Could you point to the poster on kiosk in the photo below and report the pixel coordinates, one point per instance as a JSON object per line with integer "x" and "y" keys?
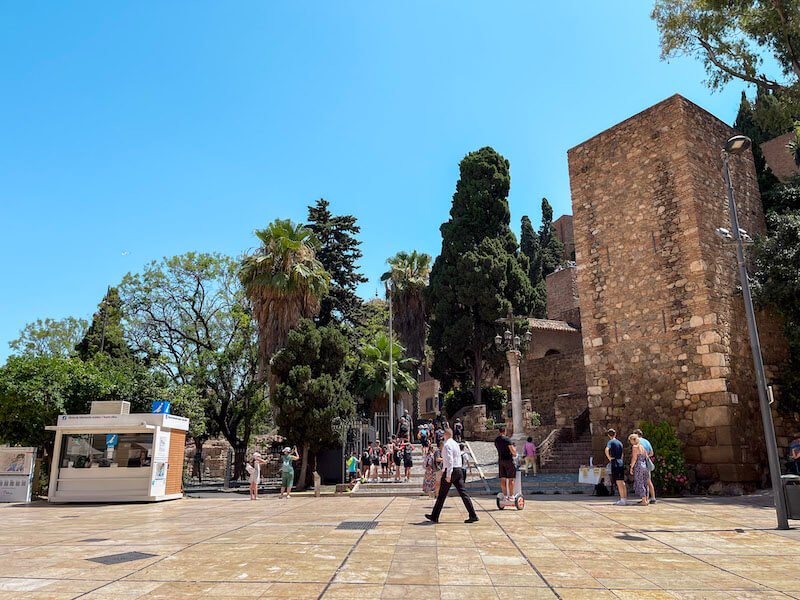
{"x": 16, "y": 473}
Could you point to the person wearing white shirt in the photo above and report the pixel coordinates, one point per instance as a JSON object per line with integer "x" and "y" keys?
{"x": 453, "y": 475}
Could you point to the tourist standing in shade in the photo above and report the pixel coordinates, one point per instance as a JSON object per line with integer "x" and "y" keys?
{"x": 648, "y": 447}
{"x": 639, "y": 470}
{"x": 453, "y": 475}
{"x": 458, "y": 431}
{"x": 529, "y": 452}
{"x": 614, "y": 455}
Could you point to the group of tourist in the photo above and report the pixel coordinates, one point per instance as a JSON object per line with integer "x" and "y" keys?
{"x": 393, "y": 459}
{"x": 641, "y": 465}
{"x": 253, "y": 468}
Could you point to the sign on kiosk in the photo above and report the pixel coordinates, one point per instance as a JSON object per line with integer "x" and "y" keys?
{"x": 16, "y": 473}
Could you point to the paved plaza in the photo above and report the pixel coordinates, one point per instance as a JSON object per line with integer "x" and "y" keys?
{"x": 230, "y": 547}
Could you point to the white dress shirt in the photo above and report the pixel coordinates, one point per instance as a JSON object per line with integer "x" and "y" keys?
{"x": 451, "y": 457}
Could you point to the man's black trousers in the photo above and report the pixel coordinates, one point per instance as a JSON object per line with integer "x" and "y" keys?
{"x": 456, "y": 479}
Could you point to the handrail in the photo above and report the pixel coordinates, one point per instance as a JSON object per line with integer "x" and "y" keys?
{"x": 546, "y": 447}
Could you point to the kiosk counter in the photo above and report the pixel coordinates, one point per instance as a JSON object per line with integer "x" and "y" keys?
{"x": 118, "y": 458}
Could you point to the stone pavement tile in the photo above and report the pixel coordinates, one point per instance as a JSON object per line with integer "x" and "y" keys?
{"x": 240, "y": 590}
{"x": 457, "y": 575}
{"x": 123, "y": 590}
{"x": 584, "y": 593}
{"x": 727, "y": 595}
{"x": 75, "y": 586}
{"x": 294, "y": 591}
{"x": 526, "y": 578}
{"x": 473, "y": 592}
{"x": 634, "y": 594}
{"x": 528, "y": 593}
{"x": 405, "y": 592}
{"x": 22, "y": 584}
{"x": 37, "y": 595}
{"x": 347, "y": 591}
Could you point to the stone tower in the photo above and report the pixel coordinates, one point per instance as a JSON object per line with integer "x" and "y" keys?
{"x": 663, "y": 324}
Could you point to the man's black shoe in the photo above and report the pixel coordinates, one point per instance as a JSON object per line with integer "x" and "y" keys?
{"x": 471, "y": 520}
{"x": 430, "y": 518}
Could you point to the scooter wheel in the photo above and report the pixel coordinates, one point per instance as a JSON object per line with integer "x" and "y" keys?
{"x": 500, "y": 505}
{"x": 519, "y": 502}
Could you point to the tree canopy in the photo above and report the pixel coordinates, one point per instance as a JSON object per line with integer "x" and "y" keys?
{"x": 313, "y": 389}
{"x": 731, "y": 38}
{"x": 479, "y": 275}
{"x": 105, "y": 335}
{"x": 338, "y": 252}
{"x": 50, "y": 337}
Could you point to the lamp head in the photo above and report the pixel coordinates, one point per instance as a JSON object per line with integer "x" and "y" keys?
{"x": 737, "y": 145}
{"x": 498, "y": 341}
{"x": 507, "y": 335}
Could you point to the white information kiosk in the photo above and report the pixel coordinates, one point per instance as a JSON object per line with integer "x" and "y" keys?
{"x": 112, "y": 456}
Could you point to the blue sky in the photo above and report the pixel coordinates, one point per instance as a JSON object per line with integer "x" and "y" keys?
{"x": 132, "y": 131}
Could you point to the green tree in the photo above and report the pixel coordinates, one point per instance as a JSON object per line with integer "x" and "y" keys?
{"x": 746, "y": 123}
{"x": 371, "y": 318}
{"x": 552, "y": 248}
{"x": 338, "y": 252}
{"x": 284, "y": 281}
{"x": 531, "y": 248}
{"x": 106, "y": 334}
{"x": 313, "y": 388}
{"x": 371, "y": 377}
{"x": 50, "y": 337}
{"x": 406, "y": 281}
{"x": 479, "y": 275}
{"x": 732, "y": 37}
{"x": 35, "y": 389}
{"x": 777, "y": 284}
{"x": 189, "y": 315}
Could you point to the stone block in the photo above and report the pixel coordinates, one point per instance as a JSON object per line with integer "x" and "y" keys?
{"x": 712, "y": 416}
{"x": 716, "y": 455}
{"x": 696, "y": 321}
{"x": 705, "y": 386}
{"x": 740, "y": 473}
{"x": 710, "y": 337}
{"x": 724, "y": 436}
{"x": 714, "y": 359}
{"x": 594, "y": 390}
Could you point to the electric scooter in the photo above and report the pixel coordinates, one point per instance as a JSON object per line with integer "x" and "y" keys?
{"x": 517, "y": 500}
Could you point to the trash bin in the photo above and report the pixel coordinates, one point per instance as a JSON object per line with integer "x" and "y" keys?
{"x": 791, "y": 493}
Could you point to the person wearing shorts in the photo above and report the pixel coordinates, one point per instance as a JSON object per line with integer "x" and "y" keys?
{"x": 614, "y": 455}
{"x": 287, "y": 471}
{"x": 506, "y": 452}
{"x": 397, "y": 457}
{"x": 407, "y": 462}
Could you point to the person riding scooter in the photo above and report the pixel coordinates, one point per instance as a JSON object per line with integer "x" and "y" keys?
{"x": 506, "y": 453}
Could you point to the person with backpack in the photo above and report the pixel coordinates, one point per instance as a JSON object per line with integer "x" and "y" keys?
{"x": 374, "y": 460}
{"x": 423, "y": 437}
{"x": 253, "y": 469}
{"x": 458, "y": 431}
{"x": 352, "y": 468}
{"x": 398, "y": 459}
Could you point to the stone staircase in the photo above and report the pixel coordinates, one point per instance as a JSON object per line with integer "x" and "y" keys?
{"x": 568, "y": 455}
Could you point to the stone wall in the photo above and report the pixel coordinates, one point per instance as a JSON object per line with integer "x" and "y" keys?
{"x": 663, "y": 327}
{"x": 562, "y": 296}
{"x": 564, "y": 232}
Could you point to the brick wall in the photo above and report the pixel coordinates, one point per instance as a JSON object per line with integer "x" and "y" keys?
{"x": 663, "y": 326}
{"x": 564, "y": 232}
{"x": 562, "y": 296}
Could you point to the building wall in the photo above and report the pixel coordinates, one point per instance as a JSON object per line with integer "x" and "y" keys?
{"x": 562, "y": 296}
{"x": 564, "y": 232}
{"x": 663, "y": 327}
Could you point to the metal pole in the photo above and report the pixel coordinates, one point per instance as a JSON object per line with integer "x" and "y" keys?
{"x": 755, "y": 347}
{"x": 391, "y": 367}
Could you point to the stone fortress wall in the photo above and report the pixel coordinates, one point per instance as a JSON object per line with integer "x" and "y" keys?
{"x": 663, "y": 326}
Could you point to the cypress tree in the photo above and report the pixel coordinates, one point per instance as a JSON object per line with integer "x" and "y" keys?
{"x": 531, "y": 248}
{"x": 552, "y": 248}
{"x": 478, "y": 276}
{"x": 105, "y": 335}
{"x": 339, "y": 251}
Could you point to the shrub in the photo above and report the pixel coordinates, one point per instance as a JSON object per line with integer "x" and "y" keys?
{"x": 669, "y": 476}
{"x": 536, "y": 419}
{"x": 490, "y": 424}
{"x": 495, "y": 398}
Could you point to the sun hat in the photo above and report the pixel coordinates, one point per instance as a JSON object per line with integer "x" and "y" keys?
{"x": 256, "y": 455}
{"x": 287, "y": 450}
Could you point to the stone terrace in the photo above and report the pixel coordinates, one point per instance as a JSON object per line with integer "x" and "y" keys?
{"x": 234, "y": 548}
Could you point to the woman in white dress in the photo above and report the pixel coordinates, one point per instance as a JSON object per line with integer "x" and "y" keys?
{"x": 254, "y": 470}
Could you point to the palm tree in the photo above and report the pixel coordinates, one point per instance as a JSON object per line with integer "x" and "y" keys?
{"x": 406, "y": 279}
{"x": 284, "y": 281}
{"x": 373, "y": 369}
